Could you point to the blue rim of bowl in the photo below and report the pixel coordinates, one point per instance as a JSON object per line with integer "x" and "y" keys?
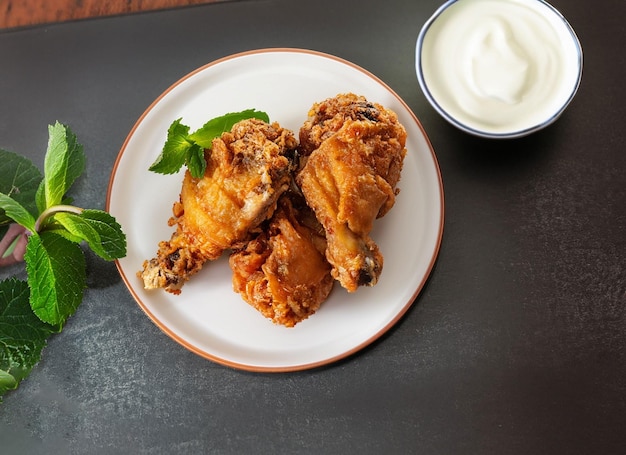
{"x": 485, "y": 134}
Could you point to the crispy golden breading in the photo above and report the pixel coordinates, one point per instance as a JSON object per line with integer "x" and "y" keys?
{"x": 247, "y": 170}
{"x": 354, "y": 151}
{"x": 293, "y": 228}
{"x": 282, "y": 272}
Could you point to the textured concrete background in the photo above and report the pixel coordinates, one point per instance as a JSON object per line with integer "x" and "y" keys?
{"x": 516, "y": 345}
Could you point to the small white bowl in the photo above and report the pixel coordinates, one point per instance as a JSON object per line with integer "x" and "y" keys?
{"x": 498, "y": 68}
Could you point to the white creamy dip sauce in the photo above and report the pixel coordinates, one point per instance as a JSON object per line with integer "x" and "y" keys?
{"x": 500, "y": 65}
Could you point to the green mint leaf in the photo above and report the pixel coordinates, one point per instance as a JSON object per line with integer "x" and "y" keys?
{"x": 182, "y": 148}
{"x": 215, "y": 127}
{"x": 79, "y": 230}
{"x": 15, "y": 211}
{"x": 19, "y": 179}
{"x": 99, "y": 229}
{"x": 63, "y": 164}
{"x": 56, "y": 276}
{"x": 174, "y": 151}
{"x": 40, "y": 197}
{"x": 112, "y": 238}
{"x": 63, "y": 232}
{"x": 195, "y": 161}
{"x": 22, "y": 334}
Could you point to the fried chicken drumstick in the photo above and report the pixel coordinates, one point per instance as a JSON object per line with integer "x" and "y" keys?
{"x": 282, "y": 272}
{"x": 353, "y": 151}
{"x": 247, "y": 170}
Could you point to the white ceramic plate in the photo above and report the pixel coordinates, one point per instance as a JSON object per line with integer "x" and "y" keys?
{"x": 209, "y": 318}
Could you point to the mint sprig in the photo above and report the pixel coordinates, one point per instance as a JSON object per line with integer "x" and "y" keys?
{"x": 31, "y": 310}
{"x": 182, "y": 148}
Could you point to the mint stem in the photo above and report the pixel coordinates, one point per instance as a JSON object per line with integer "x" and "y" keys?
{"x": 55, "y": 209}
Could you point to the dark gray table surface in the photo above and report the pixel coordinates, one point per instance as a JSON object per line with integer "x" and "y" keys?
{"x": 516, "y": 345}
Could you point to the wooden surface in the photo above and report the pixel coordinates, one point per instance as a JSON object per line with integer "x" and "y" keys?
{"x": 20, "y": 13}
